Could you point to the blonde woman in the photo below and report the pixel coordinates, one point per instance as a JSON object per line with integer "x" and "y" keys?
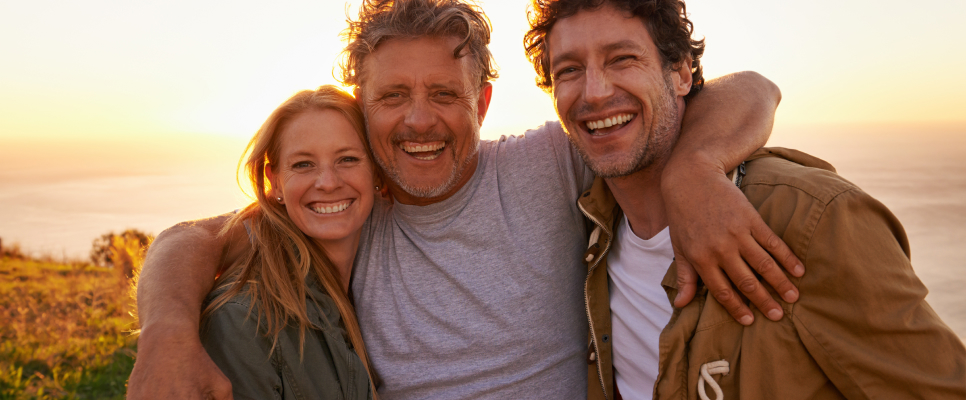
{"x": 279, "y": 323}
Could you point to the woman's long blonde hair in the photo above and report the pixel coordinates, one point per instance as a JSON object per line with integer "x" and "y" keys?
{"x": 275, "y": 272}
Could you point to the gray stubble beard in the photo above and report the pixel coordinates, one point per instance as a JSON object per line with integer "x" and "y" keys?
{"x": 423, "y": 192}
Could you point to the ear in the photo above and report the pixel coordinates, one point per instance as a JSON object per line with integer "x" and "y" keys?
{"x": 273, "y": 181}
{"x": 483, "y": 103}
{"x": 681, "y": 77}
{"x": 377, "y": 177}
{"x": 357, "y": 93}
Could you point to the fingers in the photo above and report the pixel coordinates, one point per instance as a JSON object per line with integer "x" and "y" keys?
{"x": 762, "y": 262}
{"x": 751, "y": 287}
{"x": 687, "y": 282}
{"x": 778, "y": 249}
{"x": 720, "y": 287}
{"x": 221, "y": 389}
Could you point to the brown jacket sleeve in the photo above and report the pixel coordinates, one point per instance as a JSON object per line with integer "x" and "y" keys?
{"x": 862, "y": 313}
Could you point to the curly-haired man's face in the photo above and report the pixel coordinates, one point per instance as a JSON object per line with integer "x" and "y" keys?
{"x": 619, "y": 106}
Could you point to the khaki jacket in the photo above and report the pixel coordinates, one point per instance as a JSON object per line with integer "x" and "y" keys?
{"x": 860, "y": 330}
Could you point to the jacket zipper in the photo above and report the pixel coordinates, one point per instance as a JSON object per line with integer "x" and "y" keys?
{"x": 590, "y": 319}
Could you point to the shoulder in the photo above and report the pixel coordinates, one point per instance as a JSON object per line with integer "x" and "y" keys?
{"x": 236, "y": 312}
{"x": 545, "y": 136}
{"x": 811, "y": 207}
{"x": 777, "y": 171}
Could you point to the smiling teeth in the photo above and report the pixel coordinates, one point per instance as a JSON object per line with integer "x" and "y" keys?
{"x": 332, "y": 209}
{"x": 609, "y": 122}
{"x": 412, "y": 149}
{"x": 421, "y": 148}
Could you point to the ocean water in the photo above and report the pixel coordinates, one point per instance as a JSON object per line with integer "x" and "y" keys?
{"x": 55, "y": 198}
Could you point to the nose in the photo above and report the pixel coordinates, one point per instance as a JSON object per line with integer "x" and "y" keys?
{"x": 328, "y": 179}
{"x": 597, "y": 86}
{"x": 421, "y": 116}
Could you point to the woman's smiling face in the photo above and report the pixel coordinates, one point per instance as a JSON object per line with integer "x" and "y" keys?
{"x": 324, "y": 176}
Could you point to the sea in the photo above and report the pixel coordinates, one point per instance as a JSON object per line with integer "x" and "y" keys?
{"x": 56, "y": 196}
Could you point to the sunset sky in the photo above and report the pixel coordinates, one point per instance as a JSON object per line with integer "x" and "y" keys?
{"x": 117, "y": 114}
{"x": 83, "y": 72}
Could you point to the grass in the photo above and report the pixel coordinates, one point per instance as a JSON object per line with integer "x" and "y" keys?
{"x": 65, "y": 330}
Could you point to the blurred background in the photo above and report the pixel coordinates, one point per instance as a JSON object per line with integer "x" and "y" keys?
{"x": 131, "y": 115}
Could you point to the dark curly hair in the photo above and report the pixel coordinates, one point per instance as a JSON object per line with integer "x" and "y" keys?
{"x": 382, "y": 20}
{"x": 667, "y": 22}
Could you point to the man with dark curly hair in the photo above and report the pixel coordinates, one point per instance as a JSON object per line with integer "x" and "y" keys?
{"x": 621, "y": 74}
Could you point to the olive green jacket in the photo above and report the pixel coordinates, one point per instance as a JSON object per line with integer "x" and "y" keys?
{"x": 861, "y": 328}
{"x": 327, "y": 368}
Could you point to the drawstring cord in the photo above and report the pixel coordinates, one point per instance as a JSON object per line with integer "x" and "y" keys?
{"x": 708, "y": 369}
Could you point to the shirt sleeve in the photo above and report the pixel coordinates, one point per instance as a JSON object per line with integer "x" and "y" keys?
{"x": 231, "y": 338}
{"x": 862, "y": 313}
{"x": 569, "y": 155}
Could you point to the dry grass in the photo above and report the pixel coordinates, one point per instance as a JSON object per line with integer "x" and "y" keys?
{"x": 66, "y": 330}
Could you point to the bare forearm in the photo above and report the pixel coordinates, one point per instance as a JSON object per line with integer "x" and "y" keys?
{"x": 178, "y": 272}
{"x": 727, "y": 121}
{"x": 714, "y": 229}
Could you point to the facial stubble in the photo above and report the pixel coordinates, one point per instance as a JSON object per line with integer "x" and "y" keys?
{"x": 646, "y": 148}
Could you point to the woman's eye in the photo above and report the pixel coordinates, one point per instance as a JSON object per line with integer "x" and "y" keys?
{"x": 350, "y": 159}
{"x": 301, "y": 164}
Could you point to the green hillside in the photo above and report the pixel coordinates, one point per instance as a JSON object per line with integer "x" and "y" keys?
{"x": 65, "y": 330}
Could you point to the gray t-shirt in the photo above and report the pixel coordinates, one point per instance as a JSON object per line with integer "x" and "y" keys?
{"x": 480, "y": 296}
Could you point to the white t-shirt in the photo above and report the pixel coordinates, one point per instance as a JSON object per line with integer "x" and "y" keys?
{"x": 639, "y": 307}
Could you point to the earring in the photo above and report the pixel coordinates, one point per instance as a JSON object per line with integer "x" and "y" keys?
{"x": 377, "y": 188}
{"x": 279, "y": 200}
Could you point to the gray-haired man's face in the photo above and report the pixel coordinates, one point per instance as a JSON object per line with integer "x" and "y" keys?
{"x": 423, "y": 113}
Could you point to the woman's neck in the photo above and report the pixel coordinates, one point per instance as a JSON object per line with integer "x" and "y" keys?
{"x": 342, "y": 254}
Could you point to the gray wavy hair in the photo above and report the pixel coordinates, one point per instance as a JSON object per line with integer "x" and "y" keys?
{"x": 382, "y": 20}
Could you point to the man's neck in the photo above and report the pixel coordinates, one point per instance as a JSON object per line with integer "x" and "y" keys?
{"x": 639, "y": 196}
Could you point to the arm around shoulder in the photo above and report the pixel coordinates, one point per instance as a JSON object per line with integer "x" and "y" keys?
{"x": 178, "y": 272}
{"x": 714, "y": 230}
{"x": 862, "y": 313}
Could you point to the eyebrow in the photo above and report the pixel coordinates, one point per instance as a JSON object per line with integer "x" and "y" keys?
{"x": 386, "y": 88}
{"x": 451, "y": 84}
{"x": 303, "y": 153}
{"x": 620, "y": 45}
{"x": 447, "y": 84}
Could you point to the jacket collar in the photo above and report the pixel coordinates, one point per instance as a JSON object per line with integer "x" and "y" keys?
{"x": 599, "y": 205}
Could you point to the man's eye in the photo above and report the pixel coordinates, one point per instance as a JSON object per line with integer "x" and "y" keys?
{"x": 392, "y": 98}
{"x": 563, "y": 72}
{"x": 444, "y": 96}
